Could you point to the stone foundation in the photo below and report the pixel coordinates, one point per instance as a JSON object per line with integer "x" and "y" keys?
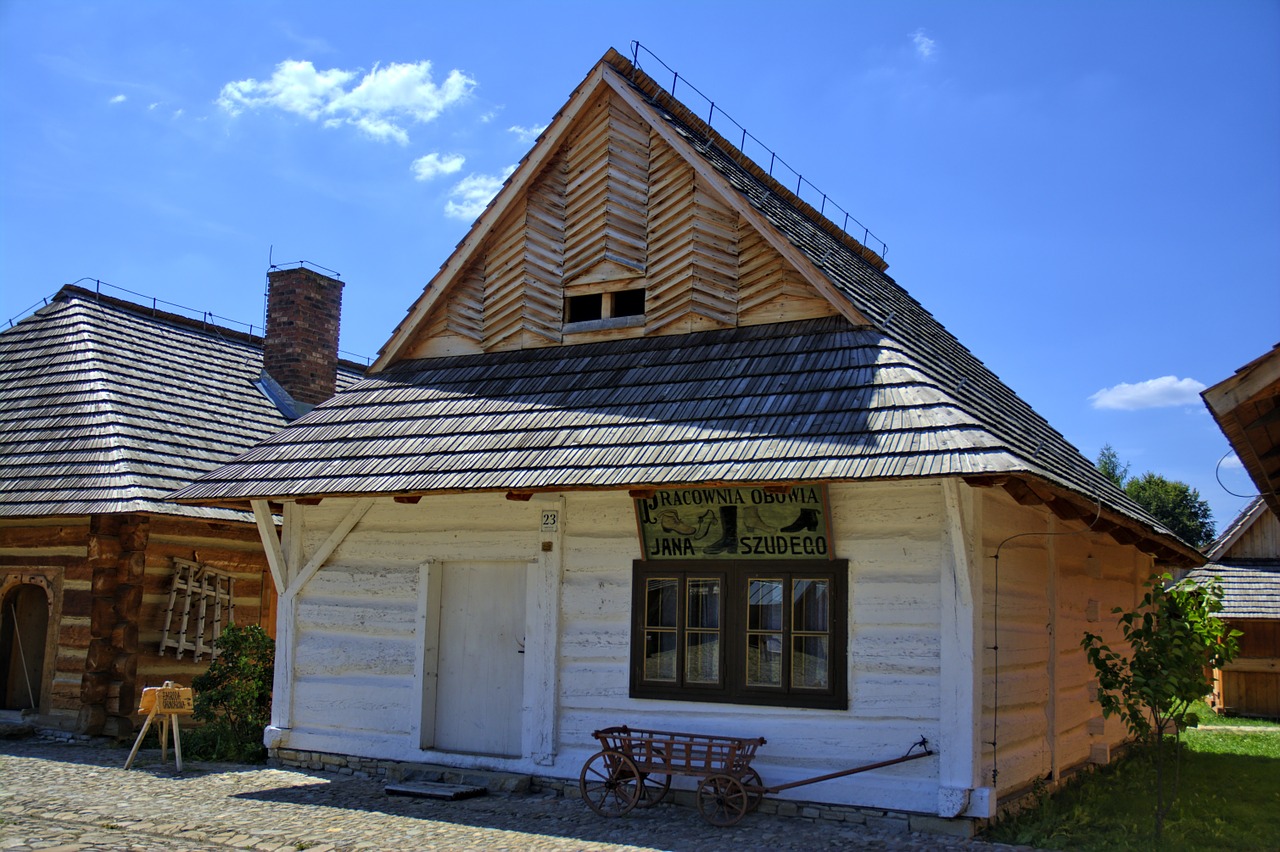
{"x": 396, "y": 771}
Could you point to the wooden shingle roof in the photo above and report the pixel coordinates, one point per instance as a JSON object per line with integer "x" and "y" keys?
{"x": 880, "y": 391}
{"x": 1247, "y": 408}
{"x": 815, "y": 399}
{"x": 107, "y": 406}
{"x": 1246, "y": 561}
{"x": 1250, "y": 588}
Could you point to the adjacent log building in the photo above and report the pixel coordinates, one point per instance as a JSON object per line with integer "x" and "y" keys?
{"x": 106, "y": 406}
{"x": 1246, "y": 557}
{"x": 660, "y": 445}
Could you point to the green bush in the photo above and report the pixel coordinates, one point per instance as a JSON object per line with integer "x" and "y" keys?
{"x": 233, "y": 698}
{"x": 1173, "y": 638}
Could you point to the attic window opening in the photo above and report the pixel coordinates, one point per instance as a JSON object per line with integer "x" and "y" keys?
{"x": 584, "y": 308}
{"x": 617, "y": 308}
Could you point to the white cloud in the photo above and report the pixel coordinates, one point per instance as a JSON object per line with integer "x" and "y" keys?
{"x": 380, "y": 104}
{"x": 924, "y": 44}
{"x": 469, "y": 196}
{"x": 153, "y": 106}
{"x": 432, "y": 165}
{"x": 118, "y": 99}
{"x": 1232, "y": 462}
{"x": 527, "y": 134}
{"x": 294, "y": 87}
{"x": 1163, "y": 392}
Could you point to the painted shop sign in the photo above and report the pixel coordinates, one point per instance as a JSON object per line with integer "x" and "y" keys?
{"x": 735, "y": 523}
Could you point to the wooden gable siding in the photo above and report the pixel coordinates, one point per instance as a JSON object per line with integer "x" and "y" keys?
{"x": 769, "y": 288}
{"x": 459, "y": 328}
{"x": 1260, "y": 541}
{"x": 615, "y": 208}
{"x": 693, "y": 250}
{"x": 607, "y": 190}
{"x": 522, "y": 272}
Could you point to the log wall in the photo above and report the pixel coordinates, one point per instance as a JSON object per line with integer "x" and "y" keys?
{"x": 1250, "y": 684}
{"x": 1052, "y": 582}
{"x": 108, "y": 581}
{"x": 52, "y": 553}
{"x": 360, "y": 630}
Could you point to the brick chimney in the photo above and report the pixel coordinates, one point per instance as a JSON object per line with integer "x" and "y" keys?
{"x": 300, "y": 351}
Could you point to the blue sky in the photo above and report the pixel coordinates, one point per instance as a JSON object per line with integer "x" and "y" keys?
{"x": 1086, "y": 194}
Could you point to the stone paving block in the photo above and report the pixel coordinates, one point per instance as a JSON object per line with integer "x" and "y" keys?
{"x": 63, "y": 793}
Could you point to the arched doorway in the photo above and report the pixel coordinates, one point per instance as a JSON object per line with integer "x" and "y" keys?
{"x": 24, "y": 623}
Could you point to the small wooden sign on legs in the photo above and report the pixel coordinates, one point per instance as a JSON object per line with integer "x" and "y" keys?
{"x": 169, "y": 702}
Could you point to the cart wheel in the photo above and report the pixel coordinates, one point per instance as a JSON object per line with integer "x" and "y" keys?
{"x": 755, "y": 788}
{"x": 609, "y": 783}
{"x": 653, "y": 789}
{"x": 722, "y": 800}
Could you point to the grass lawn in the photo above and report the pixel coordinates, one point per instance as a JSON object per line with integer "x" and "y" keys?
{"x": 1228, "y": 798}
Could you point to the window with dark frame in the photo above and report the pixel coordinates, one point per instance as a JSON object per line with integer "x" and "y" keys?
{"x": 741, "y": 632}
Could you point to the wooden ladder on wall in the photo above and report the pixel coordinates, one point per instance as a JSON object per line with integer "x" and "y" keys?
{"x": 199, "y": 586}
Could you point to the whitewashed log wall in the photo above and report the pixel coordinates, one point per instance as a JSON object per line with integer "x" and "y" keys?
{"x": 356, "y": 686}
{"x": 358, "y": 667}
{"x": 1052, "y": 587}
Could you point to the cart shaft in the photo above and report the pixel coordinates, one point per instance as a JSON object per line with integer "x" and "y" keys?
{"x": 843, "y": 773}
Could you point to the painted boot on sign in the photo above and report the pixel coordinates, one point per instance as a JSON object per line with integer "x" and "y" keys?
{"x": 807, "y": 520}
{"x": 705, "y": 521}
{"x": 752, "y": 520}
{"x": 671, "y": 522}
{"x": 729, "y": 541}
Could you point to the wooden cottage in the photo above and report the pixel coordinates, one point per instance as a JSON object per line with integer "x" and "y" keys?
{"x": 106, "y": 406}
{"x": 662, "y": 446}
{"x": 1246, "y": 558}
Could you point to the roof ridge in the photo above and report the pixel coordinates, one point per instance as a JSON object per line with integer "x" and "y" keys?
{"x": 662, "y": 99}
{"x": 70, "y": 293}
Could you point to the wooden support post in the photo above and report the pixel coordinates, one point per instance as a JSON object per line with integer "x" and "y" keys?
{"x": 960, "y": 657}
{"x": 292, "y": 578}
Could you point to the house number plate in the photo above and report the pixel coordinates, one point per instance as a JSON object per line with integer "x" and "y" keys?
{"x": 550, "y": 521}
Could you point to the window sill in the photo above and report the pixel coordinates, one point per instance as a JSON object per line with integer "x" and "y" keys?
{"x": 602, "y": 324}
{"x": 794, "y": 701}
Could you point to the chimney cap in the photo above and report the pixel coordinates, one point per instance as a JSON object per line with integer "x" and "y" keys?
{"x": 304, "y": 264}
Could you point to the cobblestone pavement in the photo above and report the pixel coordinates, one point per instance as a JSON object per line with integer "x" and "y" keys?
{"x": 73, "y": 796}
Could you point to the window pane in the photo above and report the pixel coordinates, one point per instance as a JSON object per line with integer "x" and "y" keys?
{"x": 584, "y": 308}
{"x": 704, "y": 604}
{"x": 628, "y": 303}
{"x": 809, "y": 663}
{"x": 702, "y": 658}
{"x": 660, "y": 655}
{"x": 764, "y": 605}
{"x": 662, "y": 597}
{"x": 764, "y": 660}
{"x": 810, "y": 612}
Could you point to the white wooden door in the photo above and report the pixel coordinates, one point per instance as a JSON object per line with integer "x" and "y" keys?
{"x": 481, "y": 683}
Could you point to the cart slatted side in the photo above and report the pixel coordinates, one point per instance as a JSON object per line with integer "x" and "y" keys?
{"x": 675, "y": 753}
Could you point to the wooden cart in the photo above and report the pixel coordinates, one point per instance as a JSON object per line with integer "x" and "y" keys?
{"x": 634, "y": 767}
